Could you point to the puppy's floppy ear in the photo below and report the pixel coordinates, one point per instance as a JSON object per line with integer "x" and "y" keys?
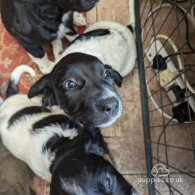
{"x": 38, "y": 87}
{"x": 115, "y": 76}
{"x": 95, "y": 143}
{"x": 43, "y": 87}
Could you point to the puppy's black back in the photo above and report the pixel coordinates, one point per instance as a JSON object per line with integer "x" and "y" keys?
{"x": 32, "y": 23}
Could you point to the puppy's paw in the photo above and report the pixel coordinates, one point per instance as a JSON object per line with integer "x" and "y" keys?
{"x": 79, "y": 19}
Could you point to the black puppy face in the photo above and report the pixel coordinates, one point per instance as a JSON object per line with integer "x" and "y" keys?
{"x": 91, "y": 175}
{"x": 84, "y": 88}
{"x": 76, "y": 5}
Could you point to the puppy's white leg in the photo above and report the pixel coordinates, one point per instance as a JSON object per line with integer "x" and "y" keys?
{"x": 1, "y": 100}
{"x": 45, "y": 65}
{"x": 57, "y": 47}
{"x": 79, "y": 19}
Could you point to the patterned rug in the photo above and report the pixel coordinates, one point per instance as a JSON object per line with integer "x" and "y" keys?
{"x": 12, "y": 55}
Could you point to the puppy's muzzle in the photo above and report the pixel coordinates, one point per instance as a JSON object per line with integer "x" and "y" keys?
{"x": 109, "y": 106}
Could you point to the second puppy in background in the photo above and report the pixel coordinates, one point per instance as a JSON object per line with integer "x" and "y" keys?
{"x": 36, "y": 22}
{"x": 112, "y": 43}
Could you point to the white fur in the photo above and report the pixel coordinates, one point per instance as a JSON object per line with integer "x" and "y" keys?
{"x": 57, "y": 47}
{"x": 109, "y": 94}
{"x": 1, "y": 100}
{"x": 79, "y": 19}
{"x": 62, "y": 30}
{"x": 70, "y": 187}
{"x": 45, "y": 65}
{"x": 20, "y": 139}
{"x": 18, "y": 71}
{"x": 117, "y": 49}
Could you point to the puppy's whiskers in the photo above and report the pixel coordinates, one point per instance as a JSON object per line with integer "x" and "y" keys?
{"x": 76, "y": 118}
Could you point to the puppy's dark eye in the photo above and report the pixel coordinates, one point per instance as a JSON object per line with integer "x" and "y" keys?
{"x": 69, "y": 84}
{"x": 107, "y": 74}
{"x": 107, "y": 182}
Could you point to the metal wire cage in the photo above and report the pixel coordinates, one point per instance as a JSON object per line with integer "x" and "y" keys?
{"x": 165, "y": 34}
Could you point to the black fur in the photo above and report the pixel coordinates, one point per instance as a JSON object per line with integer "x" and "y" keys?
{"x": 93, "y": 144}
{"x": 118, "y": 79}
{"x": 130, "y": 28}
{"x": 95, "y": 141}
{"x": 77, "y": 165}
{"x": 54, "y": 119}
{"x": 55, "y": 142}
{"x": 86, "y": 98}
{"x": 85, "y": 171}
{"x": 12, "y": 89}
{"x": 90, "y": 34}
{"x": 94, "y": 138}
{"x": 26, "y": 111}
{"x": 35, "y": 22}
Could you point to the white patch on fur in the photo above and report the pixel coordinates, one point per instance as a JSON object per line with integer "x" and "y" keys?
{"x": 70, "y": 187}
{"x": 57, "y": 47}
{"x": 19, "y": 70}
{"x": 70, "y": 38}
{"x": 66, "y": 16}
{"x": 62, "y": 30}
{"x": 117, "y": 49}
{"x": 79, "y": 19}
{"x": 45, "y": 65}
{"x": 20, "y": 139}
{"x": 109, "y": 94}
{"x": 1, "y": 100}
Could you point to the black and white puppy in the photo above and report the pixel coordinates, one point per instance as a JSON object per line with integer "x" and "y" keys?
{"x": 112, "y": 43}
{"x": 84, "y": 88}
{"x": 56, "y": 150}
{"x": 82, "y": 82}
{"x": 35, "y": 22}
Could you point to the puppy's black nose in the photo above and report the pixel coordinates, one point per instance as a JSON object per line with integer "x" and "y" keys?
{"x": 109, "y": 105}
